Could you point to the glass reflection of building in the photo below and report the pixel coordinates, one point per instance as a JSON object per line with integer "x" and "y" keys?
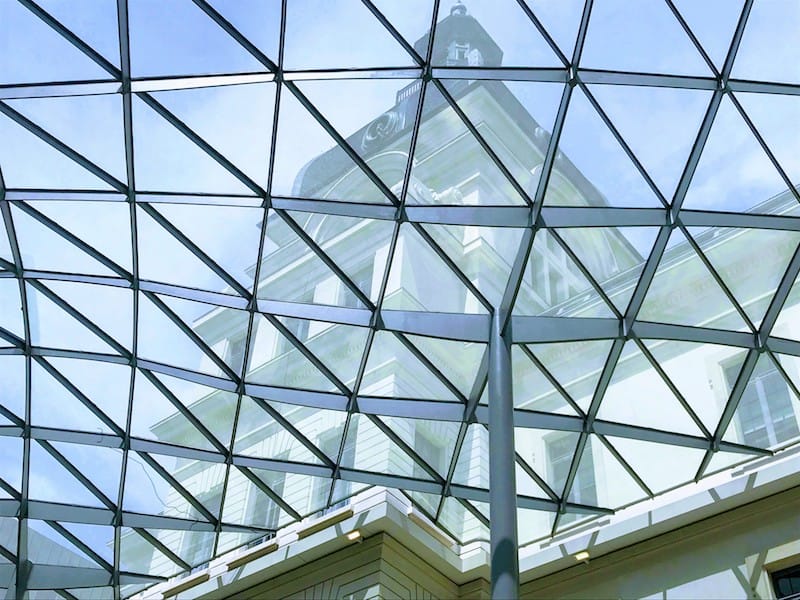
{"x": 553, "y": 285}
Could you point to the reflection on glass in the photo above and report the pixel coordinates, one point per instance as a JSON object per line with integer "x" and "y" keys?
{"x": 217, "y": 316}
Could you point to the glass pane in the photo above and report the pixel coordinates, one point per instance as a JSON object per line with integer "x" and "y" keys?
{"x": 649, "y": 40}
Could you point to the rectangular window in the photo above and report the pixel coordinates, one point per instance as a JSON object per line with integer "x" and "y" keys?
{"x": 786, "y": 583}
{"x": 765, "y": 414}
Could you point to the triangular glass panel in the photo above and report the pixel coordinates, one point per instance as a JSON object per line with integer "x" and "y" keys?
{"x": 714, "y": 33}
{"x": 236, "y": 120}
{"x": 485, "y": 253}
{"x": 163, "y": 258}
{"x": 155, "y": 417}
{"x": 701, "y": 372}
{"x": 554, "y": 286}
{"x": 161, "y": 340}
{"x": 661, "y": 137}
{"x": 214, "y": 408}
{"x": 252, "y": 507}
{"x": 110, "y": 308}
{"x": 261, "y": 436}
{"x": 458, "y": 361}
{"x": 614, "y": 256}
{"x": 762, "y": 55}
{"x": 107, "y": 385}
{"x": 328, "y": 23}
{"x": 434, "y": 441}
{"x": 767, "y": 413}
{"x": 13, "y": 396}
{"x": 310, "y": 280}
{"x": 420, "y": 280}
{"x": 450, "y": 166}
{"x": 532, "y": 390}
{"x": 319, "y": 168}
{"x": 43, "y": 249}
{"x": 368, "y": 448}
{"x": 733, "y": 173}
{"x": 519, "y": 132}
{"x": 637, "y": 395}
{"x": 97, "y": 537}
{"x": 47, "y": 546}
{"x": 548, "y": 453}
{"x": 206, "y": 320}
{"x": 659, "y": 466}
{"x": 257, "y": 20}
{"x": 561, "y": 19}
{"x": 167, "y": 41}
{"x": 276, "y": 361}
{"x": 90, "y": 125}
{"x": 776, "y": 118}
{"x": 372, "y": 102}
{"x": 683, "y": 292}
{"x": 30, "y": 162}
{"x": 56, "y": 58}
{"x": 357, "y": 246}
{"x": 592, "y": 168}
{"x": 753, "y": 279}
{"x": 339, "y": 347}
{"x": 94, "y": 22}
{"x": 471, "y": 467}
{"x": 50, "y": 481}
{"x": 138, "y": 555}
{"x": 523, "y": 45}
{"x": 601, "y": 480}
{"x": 651, "y": 40}
{"x": 11, "y": 316}
{"x": 577, "y": 366}
{"x": 103, "y": 225}
{"x": 53, "y": 327}
{"x": 102, "y": 466}
{"x": 166, "y": 160}
{"x": 394, "y": 371}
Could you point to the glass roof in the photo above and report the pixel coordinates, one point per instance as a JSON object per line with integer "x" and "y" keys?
{"x": 249, "y": 253}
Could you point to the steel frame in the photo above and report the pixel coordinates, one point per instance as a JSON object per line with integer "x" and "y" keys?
{"x": 497, "y": 326}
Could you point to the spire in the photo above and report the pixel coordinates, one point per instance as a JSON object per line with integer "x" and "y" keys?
{"x": 461, "y": 41}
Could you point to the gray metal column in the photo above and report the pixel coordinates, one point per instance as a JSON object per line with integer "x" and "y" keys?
{"x": 502, "y": 475}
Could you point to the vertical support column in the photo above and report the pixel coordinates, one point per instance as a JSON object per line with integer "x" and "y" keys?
{"x": 502, "y": 474}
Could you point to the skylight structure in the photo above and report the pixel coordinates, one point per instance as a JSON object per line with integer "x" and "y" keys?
{"x": 256, "y": 257}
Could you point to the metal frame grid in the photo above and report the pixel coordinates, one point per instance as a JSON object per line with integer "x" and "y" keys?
{"x": 535, "y": 215}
